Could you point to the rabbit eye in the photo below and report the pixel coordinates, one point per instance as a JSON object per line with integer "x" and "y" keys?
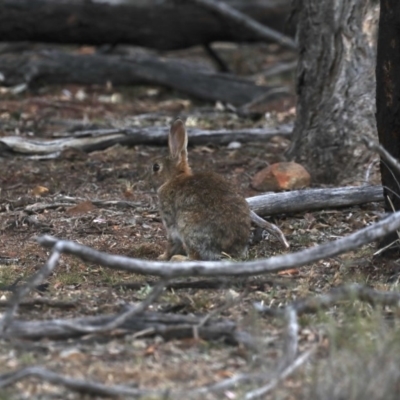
{"x": 156, "y": 167}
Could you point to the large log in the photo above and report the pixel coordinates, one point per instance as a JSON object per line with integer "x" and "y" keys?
{"x": 163, "y": 25}
{"x": 55, "y": 67}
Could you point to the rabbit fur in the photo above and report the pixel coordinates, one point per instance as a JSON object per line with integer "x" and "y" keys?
{"x": 203, "y": 214}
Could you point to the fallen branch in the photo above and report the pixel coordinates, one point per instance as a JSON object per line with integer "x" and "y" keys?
{"x": 35, "y": 280}
{"x": 77, "y": 385}
{"x": 291, "y": 342}
{"x": 207, "y": 284}
{"x": 314, "y": 199}
{"x": 100, "y": 139}
{"x": 263, "y": 32}
{"x": 99, "y": 389}
{"x": 392, "y": 162}
{"x": 349, "y": 292}
{"x": 147, "y": 324}
{"x": 168, "y": 269}
{"x": 261, "y": 392}
{"x": 56, "y": 67}
{"x": 40, "y": 301}
{"x": 273, "y": 229}
{"x": 121, "y": 318}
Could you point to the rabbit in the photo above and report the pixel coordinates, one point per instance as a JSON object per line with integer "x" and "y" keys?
{"x": 203, "y": 214}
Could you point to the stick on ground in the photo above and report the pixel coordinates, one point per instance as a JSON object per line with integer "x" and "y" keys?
{"x": 168, "y": 269}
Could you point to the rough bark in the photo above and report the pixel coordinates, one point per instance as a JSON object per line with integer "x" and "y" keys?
{"x": 55, "y": 67}
{"x": 388, "y": 101}
{"x": 335, "y": 85}
{"x": 163, "y": 25}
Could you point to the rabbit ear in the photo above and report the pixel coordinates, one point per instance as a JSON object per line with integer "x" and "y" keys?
{"x": 177, "y": 140}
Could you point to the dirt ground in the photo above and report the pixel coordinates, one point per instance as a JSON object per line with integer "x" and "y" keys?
{"x": 119, "y": 173}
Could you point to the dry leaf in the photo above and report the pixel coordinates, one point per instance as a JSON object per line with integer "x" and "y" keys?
{"x": 225, "y": 374}
{"x": 150, "y": 350}
{"x": 40, "y": 191}
{"x": 81, "y": 208}
{"x": 289, "y": 272}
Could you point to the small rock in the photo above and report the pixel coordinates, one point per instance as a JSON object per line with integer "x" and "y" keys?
{"x": 281, "y": 176}
{"x": 234, "y": 145}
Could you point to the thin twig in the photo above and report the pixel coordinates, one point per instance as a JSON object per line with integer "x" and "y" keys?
{"x": 77, "y": 385}
{"x": 291, "y": 339}
{"x": 368, "y": 172}
{"x": 123, "y": 317}
{"x": 265, "y": 33}
{"x": 34, "y": 281}
{"x": 40, "y": 301}
{"x": 272, "y": 228}
{"x": 258, "y": 393}
{"x": 395, "y": 164}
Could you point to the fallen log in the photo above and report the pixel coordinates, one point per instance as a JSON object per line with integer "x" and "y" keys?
{"x": 162, "y": 25}
{"x": 314, "y": 199}
{"x": 56, "y": 67}
{"x": 168, "y": 326}
{"x": 100, "y": 139}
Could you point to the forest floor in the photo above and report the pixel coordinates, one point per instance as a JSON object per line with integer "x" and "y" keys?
{"x": 359, "y": 339}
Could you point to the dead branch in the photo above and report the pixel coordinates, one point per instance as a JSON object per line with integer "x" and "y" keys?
{"x": 39, "y": 207}
{"x": 77, "y": 385}
{"x": 208, "y": 284}
{"x": 99, "y": 389}
{"x": 314, "y": 199}
{"x": 40, "y": 301}
{"x": 56, "y": 67}
{"x": 272, "y": 228}
{"x": 100, "y": 139}
{"x": 263, "y": 32}
{"x": 121, "y": 318}
{"x": 168, "y": 269}
{"x": 147, "y": 324}
{"x": 291, "y": 339}
{"x": 344, "y": 293}
{"x": 393, "y": 162}
{"x": 32, "y": 282}
{"x": 261, "y": 392}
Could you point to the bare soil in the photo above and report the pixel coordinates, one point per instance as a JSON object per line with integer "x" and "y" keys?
{"x": 120, "y": 173}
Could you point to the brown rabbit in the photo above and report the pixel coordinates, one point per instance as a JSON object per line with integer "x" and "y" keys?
{"x": 202, "y": 212}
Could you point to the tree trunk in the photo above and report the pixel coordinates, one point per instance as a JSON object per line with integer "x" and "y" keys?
{"x": 388, "y": 101}
{"x": 335, "y": 86}
{"x": 163, "y": 25}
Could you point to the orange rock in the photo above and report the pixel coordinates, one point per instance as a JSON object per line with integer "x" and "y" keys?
{"x": 281, "y": 176}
